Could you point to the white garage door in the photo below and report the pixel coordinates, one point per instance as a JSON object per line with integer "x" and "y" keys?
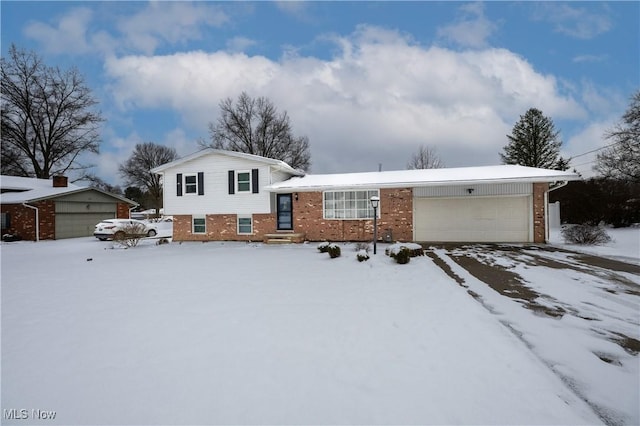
{"x": 478, "y": 219}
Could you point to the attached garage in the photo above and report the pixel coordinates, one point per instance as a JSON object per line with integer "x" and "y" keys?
{"x": 479, "y": 213}
{"x": 77, "y": 214}
{"x": 505, "y": 219}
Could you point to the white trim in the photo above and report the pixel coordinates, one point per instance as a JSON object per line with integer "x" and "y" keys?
{"x": 248, "y": 191}
{"x": 244, "y": 216}
{"x": 368, "y": 204}
{"x": 184, "y": 183}
{"x": 193, "y": 224}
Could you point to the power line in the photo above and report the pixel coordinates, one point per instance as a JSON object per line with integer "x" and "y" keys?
{"x": 594, "y": 150}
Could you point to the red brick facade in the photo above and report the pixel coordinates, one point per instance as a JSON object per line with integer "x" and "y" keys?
{"x": 539, "y": 221}
{"x": 122, "y": 211}
{"x": 23, "y": 220}
{"x": 396, "y": 215}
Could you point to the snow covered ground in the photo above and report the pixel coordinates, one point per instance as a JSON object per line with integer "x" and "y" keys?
{"x": 237, "y": 333}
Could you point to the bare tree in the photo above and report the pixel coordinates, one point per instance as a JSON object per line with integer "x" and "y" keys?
{"x": 534, "y": 142}
{"x": 622, "y": 159}
{"x": 425, "y": 158}
{"x": 255, "y": 126}
{"x": 47, "y": 117}
{"x": 136, "y": 170}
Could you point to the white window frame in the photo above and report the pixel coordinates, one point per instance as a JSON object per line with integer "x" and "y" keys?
{"x": 340, "y": 206}
{"x": 193, "y": 224}
{"x": 250, "y": 217}
{"x": 184, "y": 183}
{"x": 244, "y": 191}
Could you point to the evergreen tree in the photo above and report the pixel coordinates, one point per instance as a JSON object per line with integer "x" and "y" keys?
{"x": 534, "y": 142}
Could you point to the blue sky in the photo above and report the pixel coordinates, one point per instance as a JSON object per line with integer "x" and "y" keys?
{"x": 367, "y": 82}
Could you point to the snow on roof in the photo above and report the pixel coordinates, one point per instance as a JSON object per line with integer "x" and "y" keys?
{"x": 210, "y": 151}
{"x": 24, "y": 190}
{"x": 424, "y": 177}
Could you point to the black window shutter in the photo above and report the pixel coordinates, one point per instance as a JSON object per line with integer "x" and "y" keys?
{"x": 200, "y": 183}
{"x": 254, "y": 181}
{"x": 179, "y": 184}
{"x": 232, "y": 182}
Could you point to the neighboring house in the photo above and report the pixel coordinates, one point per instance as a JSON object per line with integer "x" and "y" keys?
{"x": 42, "y": 209}
{"x": 222, "y": 195}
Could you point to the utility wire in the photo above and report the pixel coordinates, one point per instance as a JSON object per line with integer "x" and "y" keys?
{"x": 594, "y": 150}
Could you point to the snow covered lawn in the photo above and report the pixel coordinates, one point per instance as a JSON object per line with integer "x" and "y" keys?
{"x": 240, "y": 333}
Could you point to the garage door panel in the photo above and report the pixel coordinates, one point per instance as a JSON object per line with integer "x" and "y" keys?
{"x": 499, "y": 219}
{"x": 72, "y": 225}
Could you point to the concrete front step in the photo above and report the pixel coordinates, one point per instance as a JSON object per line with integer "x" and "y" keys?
{"x": 283, "y": 238}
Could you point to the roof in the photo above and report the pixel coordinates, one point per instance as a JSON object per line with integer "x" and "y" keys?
{"x": 32, "y": 189}
{"x": 278, "y": 164}
{"x": 423, "y": 177}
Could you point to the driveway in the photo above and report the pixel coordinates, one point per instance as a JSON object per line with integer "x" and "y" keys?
{"x": 579, "y": 313}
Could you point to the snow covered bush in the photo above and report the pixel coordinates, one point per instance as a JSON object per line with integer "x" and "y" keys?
{"x": 362, "y": 255}
{"x": 414, "y": 249}
{"x": 585, "y": 234}
{"x": 323, "y": 247}
{"x": 403, "y": 255}
{"x": 333, "y": 250}
{"x": 362, "y": 246}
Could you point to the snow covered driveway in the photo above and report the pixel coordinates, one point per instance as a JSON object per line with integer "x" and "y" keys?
{"x": 240, "y": 333}
{"x": 579, "y": 313}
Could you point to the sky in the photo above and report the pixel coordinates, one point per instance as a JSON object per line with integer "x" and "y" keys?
{"x": 367, "y": 82}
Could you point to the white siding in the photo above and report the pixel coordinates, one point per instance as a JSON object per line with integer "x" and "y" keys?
{"x": 216, "y": 198}
{"x": 478, "y": 190}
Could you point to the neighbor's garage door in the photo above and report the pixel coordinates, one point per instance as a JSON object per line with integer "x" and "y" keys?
{"x": 78, "y": 219}
{"x": 490, "y": 219}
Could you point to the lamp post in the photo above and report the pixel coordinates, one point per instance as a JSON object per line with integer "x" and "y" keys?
{"x": 375, "y": 202}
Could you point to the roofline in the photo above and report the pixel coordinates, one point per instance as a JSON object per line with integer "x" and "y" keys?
{"x": 75, "y": 191}
{"x": 279, "y": 164}
{"x": 416, "y": 184}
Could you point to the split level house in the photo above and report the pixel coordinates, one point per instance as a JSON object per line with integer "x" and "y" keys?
{"x": 42, "y": 209}
{"x": 223, "y": 195}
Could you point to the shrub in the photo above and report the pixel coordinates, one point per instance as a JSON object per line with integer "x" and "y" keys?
{"x": 162, "y": 241}
{"x": 333, "y": 250}
{"x": 324, "y": 247}
{"x": 414, "y": 249}
{"x": 585, "y": 234}
{"x": 403, "y": 255}
{"x": 362, "y": 255}
{"x": 130, "y": 235}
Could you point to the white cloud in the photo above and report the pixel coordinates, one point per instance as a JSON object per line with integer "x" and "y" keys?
{"x": 68, "y": 36}
{"x": 376, "y": 101}
{"x": 240, "y": 44}
{"x": 170, "y": 22}
{"x": 581, "y": 143}
{"x": 577, "y": 22}
{"x": 471, "y": 29}
{"x": 589, "y": 58}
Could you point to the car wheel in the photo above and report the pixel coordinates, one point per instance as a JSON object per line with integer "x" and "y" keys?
{"x": 102, "y": 239}
{"x": 151, "y": 233}
{"x": 119, "y": 235}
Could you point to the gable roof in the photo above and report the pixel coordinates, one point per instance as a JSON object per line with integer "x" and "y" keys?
{"x": 278, "y": 164}
{"x": 27, "y": 190}
{"x": 423, "y": 177}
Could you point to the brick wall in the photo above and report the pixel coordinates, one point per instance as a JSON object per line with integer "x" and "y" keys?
{"x": 122, "y": 211}
{"x": 23, "y": 220}
{"x": 539, "y": 223}
{"x": 396, "y": 214}
{"x": 223, "y": 227}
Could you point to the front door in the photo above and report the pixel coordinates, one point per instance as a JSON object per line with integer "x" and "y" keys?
{"x": 285, "y": 212}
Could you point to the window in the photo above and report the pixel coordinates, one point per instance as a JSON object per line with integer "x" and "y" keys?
{"x": 245, "y": 225}
{"x": 199, "y": 225}
{"x": 349, "y": 204}
{"x": 190, "y": 184}
{"x": 244, "y": 181}
{"x": 6, "y": 220}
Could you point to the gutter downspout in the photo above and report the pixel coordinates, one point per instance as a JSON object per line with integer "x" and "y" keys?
{"x": 37, "y": 220}
{"x": 546, "y": 207}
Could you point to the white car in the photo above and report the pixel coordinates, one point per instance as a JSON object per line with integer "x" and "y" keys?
{"x": 109, "y": 229}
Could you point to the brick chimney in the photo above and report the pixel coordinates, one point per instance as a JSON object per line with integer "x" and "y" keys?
{"x": 60, "y": 182}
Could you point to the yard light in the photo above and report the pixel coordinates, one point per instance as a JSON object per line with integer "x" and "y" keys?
{"x": 375, "y": 202}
